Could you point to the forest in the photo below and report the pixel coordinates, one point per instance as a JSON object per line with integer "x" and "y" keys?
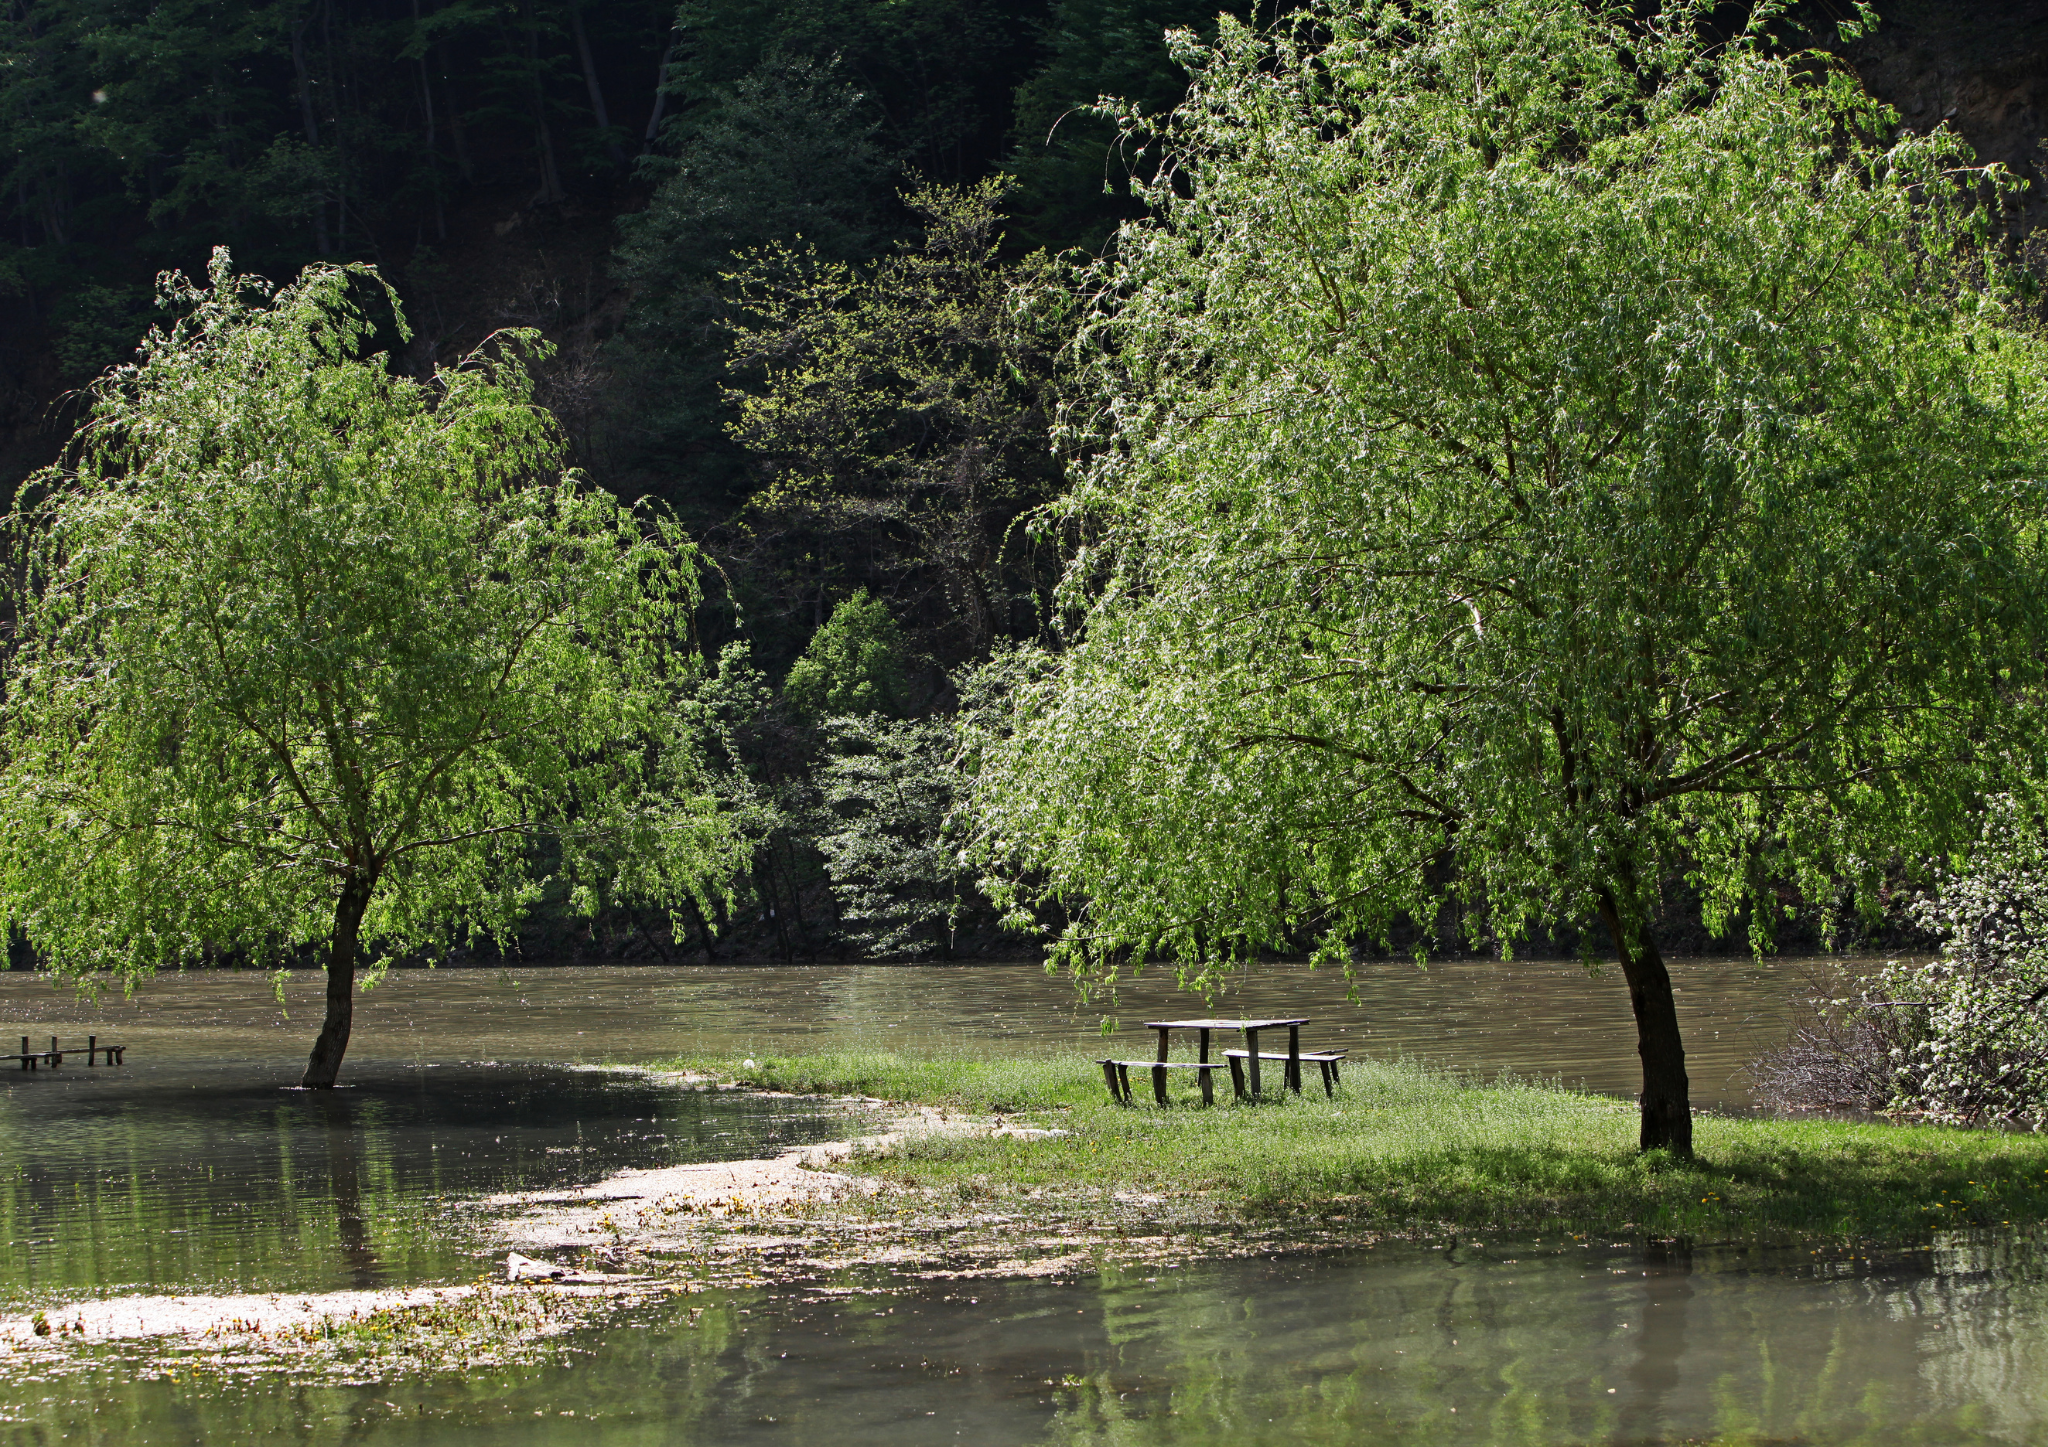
{"x": 685, "y": 202}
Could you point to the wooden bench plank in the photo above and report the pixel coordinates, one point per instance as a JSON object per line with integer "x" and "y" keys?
{"x": 1325, "y": 1060}
{"x": 1117, "y": 1073}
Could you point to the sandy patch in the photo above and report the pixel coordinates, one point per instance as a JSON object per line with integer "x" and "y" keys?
{"x": 655, "y": 1209}
{"x": 635, "y": 1235}
{"x": 131, "y": 1317}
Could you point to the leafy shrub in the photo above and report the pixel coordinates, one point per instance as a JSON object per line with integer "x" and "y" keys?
{"x": 1960, "y": 1038}
{"x": 901, "y": 884}
{"x": 858, "y": 663}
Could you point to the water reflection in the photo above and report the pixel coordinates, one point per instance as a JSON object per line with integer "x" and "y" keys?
{"x": 345, "y": 1147}
{"x": 1653, "y": 1376}
{"x": 182, "y": 1177}
{"x": 1532, "y": 1345}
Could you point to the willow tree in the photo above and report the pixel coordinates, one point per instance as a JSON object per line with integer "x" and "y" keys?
{"x": 1538, "y": 452}
{"x": 314, "y": 655}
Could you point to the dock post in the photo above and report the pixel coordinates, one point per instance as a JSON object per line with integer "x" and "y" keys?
{"x": 92, "y": 1043}
{"x": 28, "y": 1061}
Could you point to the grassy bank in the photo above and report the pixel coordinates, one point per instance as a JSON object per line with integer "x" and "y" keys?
{"x": 1404, "y": 1147}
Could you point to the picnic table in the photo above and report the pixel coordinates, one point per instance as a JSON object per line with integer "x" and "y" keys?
{"x": 1117, "y": 1072}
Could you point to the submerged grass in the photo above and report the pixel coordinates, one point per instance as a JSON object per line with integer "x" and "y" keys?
{"x": 1407, "y": 1147}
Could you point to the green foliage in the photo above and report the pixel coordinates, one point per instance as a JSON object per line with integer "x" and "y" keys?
{"x": 940, "y": 71}
{"x": 891, "y": 786}
{"x": 786, "y": 153}
{"x": 1532, "y": 452}
{"x": 1962, "y": 1037}
{"x": 301, "y": 636}
{"x": 134, "y": 133}
{"x": 1073, "y": 170}
{"x": 858, "y": 663}
{"x": 902, "y": 409}
{"x": 764, "y": 756}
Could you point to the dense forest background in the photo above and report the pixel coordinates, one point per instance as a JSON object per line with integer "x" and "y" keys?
{"x": 778, "y": 249}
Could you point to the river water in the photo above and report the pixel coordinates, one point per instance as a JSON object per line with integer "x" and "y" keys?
{"x": 190, "y": 1169}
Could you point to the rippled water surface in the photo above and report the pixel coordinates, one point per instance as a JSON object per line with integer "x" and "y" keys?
{"x": 196, "y": 1168}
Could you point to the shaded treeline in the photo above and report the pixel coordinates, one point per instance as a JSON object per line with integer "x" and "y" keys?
{"x": 776, "y": 245}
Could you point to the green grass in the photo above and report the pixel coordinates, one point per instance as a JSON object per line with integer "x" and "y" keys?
{"x": 1405, "y": 1147}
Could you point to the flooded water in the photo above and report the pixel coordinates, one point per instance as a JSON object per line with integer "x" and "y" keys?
{"x": 1542, "y": 1018}
{"x": 1547, "y": 1343}
{"x": 193, "y": 1168}
{"x": 171, "y": 1175}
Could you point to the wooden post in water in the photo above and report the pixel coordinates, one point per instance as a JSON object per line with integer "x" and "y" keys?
{"x": 92, "y": 1043}
{"x": 28, "y": 1061}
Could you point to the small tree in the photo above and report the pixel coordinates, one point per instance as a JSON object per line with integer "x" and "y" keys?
{"x": 891, "y": 787}
{"x": 310, "y": 653}
{"x": 858, "y": 663}
{"x": 899, "y": 408}
{"x": 1537, "y": 449}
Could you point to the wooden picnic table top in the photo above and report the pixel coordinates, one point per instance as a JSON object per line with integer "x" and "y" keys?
{"x": 1222, "y": 1024}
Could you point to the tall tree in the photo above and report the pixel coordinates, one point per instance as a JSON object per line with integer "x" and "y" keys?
{"x": 898, "y": 412}
{"x": 1537, "y": 449}
{"x": 311, "y": 654}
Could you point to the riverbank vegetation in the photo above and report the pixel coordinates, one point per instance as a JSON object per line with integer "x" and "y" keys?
{"x": 1404, "y": 1147}
{"x": 1960, "y": 1037}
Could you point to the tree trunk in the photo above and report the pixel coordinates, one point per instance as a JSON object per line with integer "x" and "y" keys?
{"x": 660, "y": 94}
{"x": 312, "y": 127}
{"x": 1667, "y": 1094}
{"x": 590, "y": 83}
{"x": 325, "y": 1062}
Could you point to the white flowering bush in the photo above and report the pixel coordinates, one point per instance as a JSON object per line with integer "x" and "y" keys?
{"x": 1962, "y": 1037}
{"x": 1981, "y": 1052}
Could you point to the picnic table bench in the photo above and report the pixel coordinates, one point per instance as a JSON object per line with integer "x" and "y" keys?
{"x": 54, "y": 1056}
{"x": 1117, "y": 1073}
{"x": 1327, "y": 1060}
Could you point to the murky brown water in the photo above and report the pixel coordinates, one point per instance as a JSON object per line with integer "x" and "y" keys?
{"x": 191, "y": 1169}
{"x": 1543, "y": 1018}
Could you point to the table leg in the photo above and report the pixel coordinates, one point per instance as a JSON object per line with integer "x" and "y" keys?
{"x": 1294, "y": 1058}
{"x": 1205, "y": 1048}
{"x": 1162, "y": 1044}
{"x": 1251, "y": 1043}
{"x": 1236, "y": 1076}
